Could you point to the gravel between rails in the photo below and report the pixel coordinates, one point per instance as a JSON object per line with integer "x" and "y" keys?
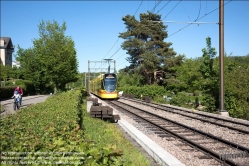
{"x": 216, "y": 130}
{"x": 184, "y": 153}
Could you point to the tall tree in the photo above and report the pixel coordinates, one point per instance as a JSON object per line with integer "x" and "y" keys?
{"x": 210, "y": 84}
{"x": 144, "y": 42}
{"x": 188, "y": 74}
{"x": 31, "y": 68}
{"x": 56, "y": 54}
{"x": 237, "y": 86}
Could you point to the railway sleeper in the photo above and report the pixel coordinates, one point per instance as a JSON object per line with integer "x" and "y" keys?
{"x": 159, "y": 132}
{"x": 188, "y": 150}
{"x": 164, "y": 135}
{"x": 186, "y": 135}
{"x": 205, "y": 157}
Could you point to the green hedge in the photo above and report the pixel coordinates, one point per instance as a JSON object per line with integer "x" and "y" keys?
{"x": 52, "y": 130}
{"x": 147, "y": 90}
{"x": 6, "y": 92}
{"x": 27, "y": 86}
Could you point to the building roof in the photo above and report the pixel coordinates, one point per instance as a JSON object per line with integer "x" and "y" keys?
{"x": 7, "y": 43}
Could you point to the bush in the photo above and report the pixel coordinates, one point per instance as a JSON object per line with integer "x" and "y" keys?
{"x": 181, "y": 99}
{"x": 147, "y": 90}
{"x": 27, "y": 86}
{"x": 53, "y": 129}
{"x": 196, "y": 93}
{"x": 6, "y": 92}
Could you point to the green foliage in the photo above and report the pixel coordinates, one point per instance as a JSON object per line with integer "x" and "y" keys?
{"x": 209, "y": 54}
{"x": 53, "y": 127}
{"x": 148, "y": 90}
{"x": 6, "y": 92}
{"x": 210, "y": 82}
{"x": 189, "y": 77}
{"x": 31, "y": 68}
{"x": 129, "y": 79}
{"x": 107, "y": 135}
{"x": 237, "y": 88}
{"x": 181, "y": 99}
{"x": 210, "y": 103}
{"x": 1, "y": 108}
{"x": 145, "y": 45}
{"x": 27, "y": 86}
{"x": 79, "y": 83}
{"x": 8, "y": 89}
{"x": 52, "y": 61}
{"x": 7, "y": 72}
{"x": 197, "y": 93}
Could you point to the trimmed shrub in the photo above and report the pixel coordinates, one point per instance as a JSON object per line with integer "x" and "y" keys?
{"x": 6, "y": 92}
{"x": 147, "y": 90}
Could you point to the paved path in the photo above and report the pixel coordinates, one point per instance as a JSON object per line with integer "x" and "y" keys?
{"x": 26, "y": 101}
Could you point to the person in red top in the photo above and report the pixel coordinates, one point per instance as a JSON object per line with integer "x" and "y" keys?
{"x": 20, "y": 91}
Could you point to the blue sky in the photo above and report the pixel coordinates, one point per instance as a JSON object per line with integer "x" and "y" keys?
{"x": 95, "y": 25}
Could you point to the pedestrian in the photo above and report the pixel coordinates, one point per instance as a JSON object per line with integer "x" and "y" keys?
{"x": 20, "y": 91}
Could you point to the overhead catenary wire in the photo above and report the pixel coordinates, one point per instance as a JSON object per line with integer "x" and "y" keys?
{"x": 198, "y": 19}
{"x": 121, "y": 56}
{"x": 123, "y": 30}
{"x": 118, "y": 38}
{"x": 172, "y": 9}
{"x": 121, "y": 63}
{"x": 199, "y": 11}
{"x": 164, "y": 17}
{"x": 156, "y": 5}
{"x": 186, "y": 11}
{"x": 195, "y": 22}
{"x": 163, "y": 6}
{"x": 178, "y": 22}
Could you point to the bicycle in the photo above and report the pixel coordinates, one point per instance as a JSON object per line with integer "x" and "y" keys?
{"x": 16, "y": 104}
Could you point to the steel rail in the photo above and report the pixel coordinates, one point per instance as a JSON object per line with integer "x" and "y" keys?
{"x": 209, "y": 151}
{"x": 194, "y": 113}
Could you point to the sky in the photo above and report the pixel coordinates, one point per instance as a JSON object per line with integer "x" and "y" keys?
{"x": 94, "y": 26}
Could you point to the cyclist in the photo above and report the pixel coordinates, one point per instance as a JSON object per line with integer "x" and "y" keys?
{"x": 16, "y": 96}
{"x": 20, "y": 91}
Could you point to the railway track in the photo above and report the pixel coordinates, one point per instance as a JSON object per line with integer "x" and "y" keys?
{"x": 241, "y": 127}
{"x": 212, "y": 147}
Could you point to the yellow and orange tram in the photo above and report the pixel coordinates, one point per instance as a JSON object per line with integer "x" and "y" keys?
{"x": 105, "y": 86}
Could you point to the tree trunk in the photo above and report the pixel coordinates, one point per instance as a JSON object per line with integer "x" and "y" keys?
{"x": 147, "y": 77}
{"x": 55, "y": 89}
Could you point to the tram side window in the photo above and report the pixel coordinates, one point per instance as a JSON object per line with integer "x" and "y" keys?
{"x": 102, "y": 85}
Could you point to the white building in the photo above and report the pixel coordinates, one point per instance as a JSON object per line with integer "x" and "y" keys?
{"x": 6, "y": 50}
{"x": 15, "y": 63}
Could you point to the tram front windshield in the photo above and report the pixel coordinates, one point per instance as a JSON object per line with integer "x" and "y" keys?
{"x": 110, "y": 84}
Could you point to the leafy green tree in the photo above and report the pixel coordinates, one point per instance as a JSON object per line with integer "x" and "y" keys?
{"x": 144, "y": 42}
{"x": 3, "y": 72}
{"x": 56, "y": 54}
{"x": 7, "y": 72}
{"x": 209, "y": 71}
{"x": 188, "y": 75}
{"x": 126, "y": 79}
{"x": 31, "y": 68}
{"x": 236, "y": 86}
{"x": 181, "y": 99}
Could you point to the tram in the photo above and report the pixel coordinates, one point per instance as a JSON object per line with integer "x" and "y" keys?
{"x": 105, "y": 86}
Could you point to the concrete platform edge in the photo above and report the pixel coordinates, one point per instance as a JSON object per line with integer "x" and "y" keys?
{"x": 158, "y": 153}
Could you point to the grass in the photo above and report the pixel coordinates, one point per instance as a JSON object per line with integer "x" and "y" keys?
{"x": 106, "y": 134}
{"x": 1, "y": 108}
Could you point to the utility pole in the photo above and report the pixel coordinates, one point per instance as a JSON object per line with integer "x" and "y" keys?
{"x": 85, "y": 79}
{"x": 221, "y": 57}
{"x": 88, "y": 85}
{"x": 89, "y": 71}
{"x": 108, "y": 61}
